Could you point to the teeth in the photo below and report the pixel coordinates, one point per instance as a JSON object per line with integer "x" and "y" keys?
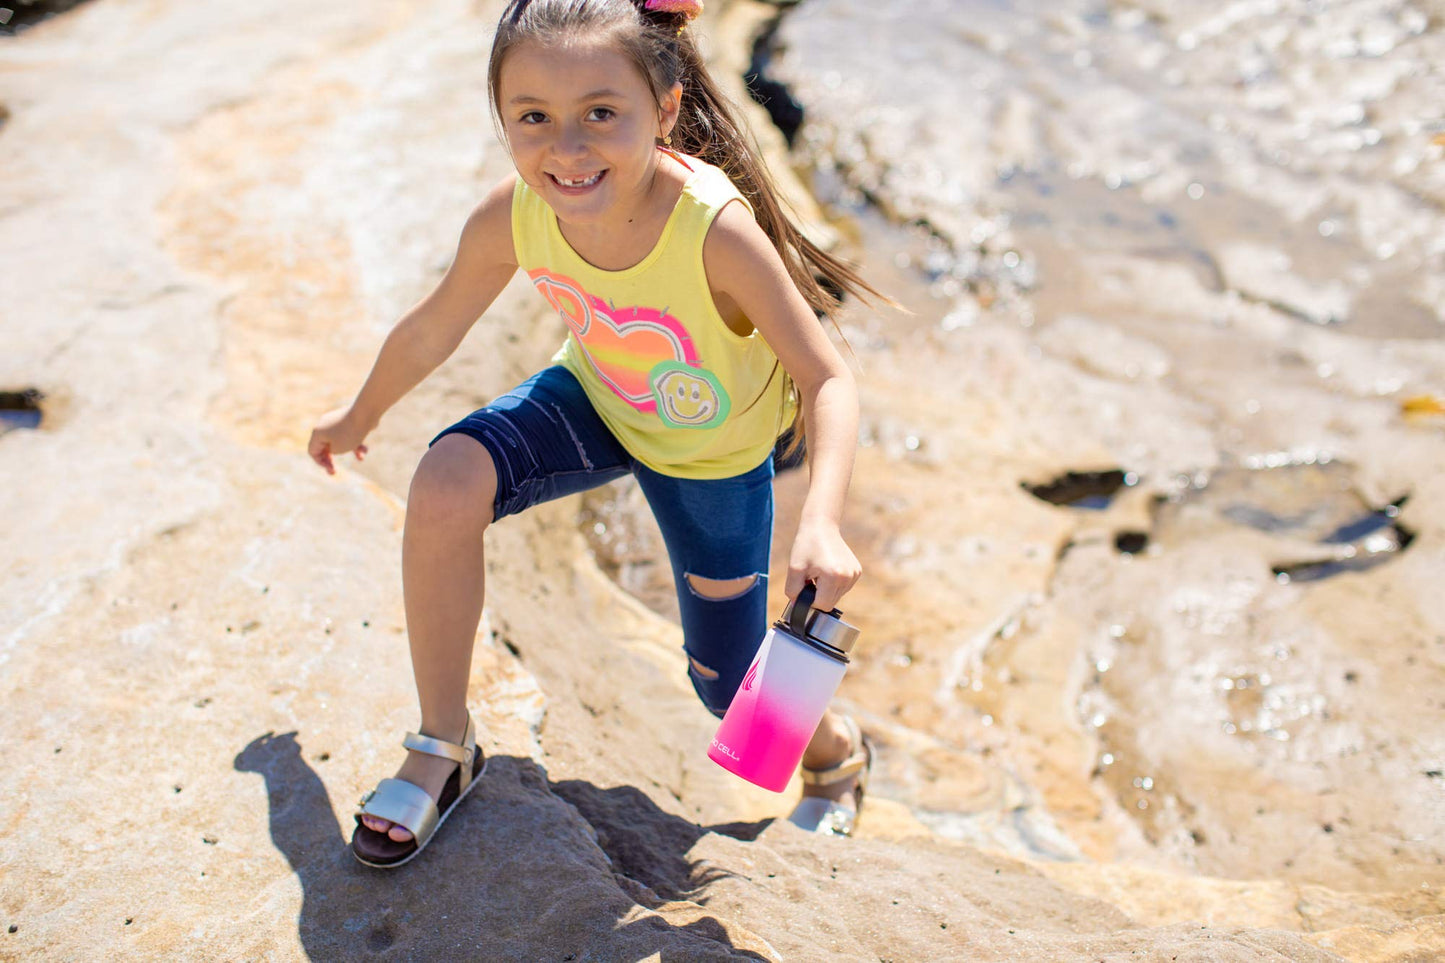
{"x": 579, "y": 182}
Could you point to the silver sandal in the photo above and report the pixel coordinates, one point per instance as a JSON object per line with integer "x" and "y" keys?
{"x": 408, "y": 805}
{"x": 828, "y": 817}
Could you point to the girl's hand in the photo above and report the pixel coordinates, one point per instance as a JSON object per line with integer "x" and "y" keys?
{"x": 822, "y": 557}
{"x": 336, "y": 433}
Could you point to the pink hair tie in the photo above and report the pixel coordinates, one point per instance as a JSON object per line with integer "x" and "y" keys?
{"x": 688, "y": 8}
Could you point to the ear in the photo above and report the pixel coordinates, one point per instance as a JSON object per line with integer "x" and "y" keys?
{"x": 668, "y": 109}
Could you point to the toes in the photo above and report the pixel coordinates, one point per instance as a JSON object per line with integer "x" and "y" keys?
{"x": 393, "y": 832}
{"x": 378, "y": 825}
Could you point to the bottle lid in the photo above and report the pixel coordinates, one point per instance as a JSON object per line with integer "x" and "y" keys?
{"x": 830, "y": 629}
{"x": 825, "y": 627}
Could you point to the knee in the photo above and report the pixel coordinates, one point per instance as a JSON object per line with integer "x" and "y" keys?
{"x": 720, "y": 590}
{"x": 454, "y": 484}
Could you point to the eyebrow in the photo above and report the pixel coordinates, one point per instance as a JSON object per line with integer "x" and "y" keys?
{"x": 605, "y": 93}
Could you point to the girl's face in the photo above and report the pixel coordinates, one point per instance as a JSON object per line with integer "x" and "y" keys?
{"x": 583, "y": 127}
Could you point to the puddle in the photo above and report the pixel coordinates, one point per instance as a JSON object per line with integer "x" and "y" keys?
{"x": 20, "y": 409}
{"x": 1314, "y": 501}
{"x": 1093, "y": 490}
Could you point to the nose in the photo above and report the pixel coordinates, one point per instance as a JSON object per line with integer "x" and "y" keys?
{"x": 571, "y": 142}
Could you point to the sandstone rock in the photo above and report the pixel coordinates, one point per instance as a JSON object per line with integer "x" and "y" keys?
{"x": 212, "y": 215}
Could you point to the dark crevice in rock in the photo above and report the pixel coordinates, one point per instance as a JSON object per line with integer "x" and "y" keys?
{"x": 783, "y": 108}
{"x": 1059, "y": 557}
{"x": 16, "y": 15}
{"x": 20, "y": 409}
{"x": 1369, "y": 524}
{"x": 1081, "y": 489}
{"x": 1315, "y": 571}
{"x": 1131, "y": 543}
{"x": 1367, "y": 542}
{"x": 772, "y": 95}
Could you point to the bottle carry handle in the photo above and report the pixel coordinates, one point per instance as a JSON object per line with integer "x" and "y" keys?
{"x": 797, "y": 614}
{"x": 798, "y": 610}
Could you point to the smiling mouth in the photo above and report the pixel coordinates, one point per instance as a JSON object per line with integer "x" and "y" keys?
{"x": 577, "y": 183}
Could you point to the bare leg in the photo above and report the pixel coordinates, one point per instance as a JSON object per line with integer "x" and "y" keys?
{"x": 829, "y": 747}
{"x": 447, "y": 512}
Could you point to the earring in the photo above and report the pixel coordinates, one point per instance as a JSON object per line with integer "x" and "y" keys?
{"x": 667, "y": 141}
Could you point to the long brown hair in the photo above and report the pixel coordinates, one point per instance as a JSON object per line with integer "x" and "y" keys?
{"x": 708, "y": 127}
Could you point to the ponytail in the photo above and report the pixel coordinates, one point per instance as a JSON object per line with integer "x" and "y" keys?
{"x": 708, "y": 127}
{"x": 655, "y": 35}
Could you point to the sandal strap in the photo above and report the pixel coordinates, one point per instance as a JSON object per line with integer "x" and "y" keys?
{"x": 846, "y": 769}
{"x": 463, "y": 754}
{"x": 857, "y": 761}
{"x": 404, "y": 804}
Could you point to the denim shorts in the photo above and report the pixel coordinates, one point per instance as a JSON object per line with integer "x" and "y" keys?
{"x": 547, "y": 441}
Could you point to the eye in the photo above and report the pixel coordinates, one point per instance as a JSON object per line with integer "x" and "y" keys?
{"x": 601, "y": 113}
{"x": 532, "y": 117}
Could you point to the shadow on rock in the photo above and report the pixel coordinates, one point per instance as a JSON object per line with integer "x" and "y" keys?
{"x": 513, "y": 875}
{"x": 646, "y": 844}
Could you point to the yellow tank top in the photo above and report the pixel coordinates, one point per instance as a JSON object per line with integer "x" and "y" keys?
{"x": 683, "y": 393}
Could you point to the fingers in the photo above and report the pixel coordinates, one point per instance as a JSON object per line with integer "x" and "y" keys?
{"x": 360, "y": 452}
{"x": 831, "y": 589}
{"x": 828, "y": 595}
{"x": 830, "y": 586}
{"x": 320, "y": 453}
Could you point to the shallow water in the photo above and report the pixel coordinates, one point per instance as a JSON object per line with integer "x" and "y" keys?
{"x": 1288, "y": 151}
{"x": 1200, "y": 248}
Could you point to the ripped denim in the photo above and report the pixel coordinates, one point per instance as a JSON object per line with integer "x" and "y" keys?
{"x": 546, "y": 441}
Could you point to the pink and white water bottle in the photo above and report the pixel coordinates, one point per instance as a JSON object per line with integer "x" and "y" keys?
{"x": 784, "y": 694}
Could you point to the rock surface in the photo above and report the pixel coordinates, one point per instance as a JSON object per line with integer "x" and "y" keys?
{"x": 211, "y": 215}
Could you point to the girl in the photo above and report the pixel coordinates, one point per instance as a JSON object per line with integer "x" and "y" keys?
{"x": 641, "y": 214}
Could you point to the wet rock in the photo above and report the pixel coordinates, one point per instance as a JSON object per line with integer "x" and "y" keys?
{"x": 1264, "y": 274}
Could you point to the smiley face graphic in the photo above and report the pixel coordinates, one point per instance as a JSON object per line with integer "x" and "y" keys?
{"x": 688, "y": 397}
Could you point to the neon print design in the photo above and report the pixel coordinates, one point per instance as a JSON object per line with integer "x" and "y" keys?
{"x": 642, "y": 354}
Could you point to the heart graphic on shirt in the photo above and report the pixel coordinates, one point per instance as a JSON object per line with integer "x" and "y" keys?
{"x": 625, "y": 346}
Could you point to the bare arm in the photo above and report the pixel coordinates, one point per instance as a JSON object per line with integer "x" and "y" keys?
{"x": 428, "y": 333}
{"x": 742, "y": 263}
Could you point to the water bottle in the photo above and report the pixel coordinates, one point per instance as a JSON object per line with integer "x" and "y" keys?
{"x": 784, "y": 694}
